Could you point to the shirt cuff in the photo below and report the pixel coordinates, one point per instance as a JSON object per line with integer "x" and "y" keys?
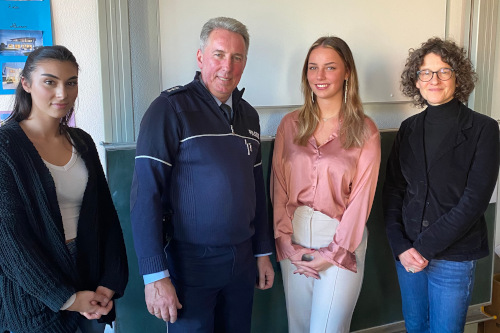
{"x": 153, "y": 277}
{"x": 285, "y": 248}
{"x": 339, "y": 256}
{"x": 263, "y": 255}
{"x": 69, "y": 302}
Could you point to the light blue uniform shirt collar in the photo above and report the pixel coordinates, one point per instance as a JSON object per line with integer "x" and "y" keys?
{"x": 228, "y": 102}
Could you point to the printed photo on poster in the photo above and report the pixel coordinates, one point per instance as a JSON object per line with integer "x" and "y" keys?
{"x": 19, "y": 42}
{"x": 11, "y": 73}
{"x": 24, "y": 27}
{"x": 3, "y": 116}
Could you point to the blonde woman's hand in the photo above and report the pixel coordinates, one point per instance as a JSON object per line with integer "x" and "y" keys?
{"x": 317, "y": 264}
{"x": 301, "y": 260}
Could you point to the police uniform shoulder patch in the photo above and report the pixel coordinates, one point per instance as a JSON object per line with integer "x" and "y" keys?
{"x": 174, "y": 90}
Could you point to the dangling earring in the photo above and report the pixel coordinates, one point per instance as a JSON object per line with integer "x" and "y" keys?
{"x": 345, "y": 91}
{"x": 312, "y": 97}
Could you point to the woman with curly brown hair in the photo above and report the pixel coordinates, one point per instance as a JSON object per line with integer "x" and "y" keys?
{"x": 440, "y": 177}
{"x": 325, "y": 170}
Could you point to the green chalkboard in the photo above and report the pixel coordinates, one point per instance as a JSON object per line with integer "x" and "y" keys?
{"x": 379, "y": 302}
{"x": 131, "y": 313}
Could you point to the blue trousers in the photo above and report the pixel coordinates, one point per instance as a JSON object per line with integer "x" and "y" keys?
{"x": 436, "y": 299}
{"x": 214, "y": 284}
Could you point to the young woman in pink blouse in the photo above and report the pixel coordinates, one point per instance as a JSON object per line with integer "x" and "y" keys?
{"x": 325, "y": 169}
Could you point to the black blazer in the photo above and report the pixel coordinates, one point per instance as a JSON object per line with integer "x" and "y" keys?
{"x": 438, "y": 208}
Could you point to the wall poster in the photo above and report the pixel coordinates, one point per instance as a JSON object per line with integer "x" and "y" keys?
{"x": 25, "y": 25}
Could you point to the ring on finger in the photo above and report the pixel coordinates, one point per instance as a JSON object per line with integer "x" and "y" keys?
{"x": 411, "y": 270}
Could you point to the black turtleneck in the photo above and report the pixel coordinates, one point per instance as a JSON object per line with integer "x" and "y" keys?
{"x": 439, "y": 120}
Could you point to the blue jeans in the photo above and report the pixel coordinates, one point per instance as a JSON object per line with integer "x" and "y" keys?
{"x": 436, "y": 299}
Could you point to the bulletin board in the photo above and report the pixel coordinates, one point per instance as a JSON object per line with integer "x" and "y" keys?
{"x": 25, "y": 25}
{"x": 379, "y": 33}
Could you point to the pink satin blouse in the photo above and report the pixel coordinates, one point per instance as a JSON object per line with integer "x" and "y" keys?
{"x": 337, "y": 182}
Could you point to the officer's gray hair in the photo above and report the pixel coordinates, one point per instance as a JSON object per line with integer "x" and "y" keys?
{"x": 225, "y": 23}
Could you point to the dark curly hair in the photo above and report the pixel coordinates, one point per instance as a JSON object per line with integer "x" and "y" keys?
{"x": 450, "y": 53}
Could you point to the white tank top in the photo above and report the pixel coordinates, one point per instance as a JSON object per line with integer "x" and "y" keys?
{"x": 71, "y": 181}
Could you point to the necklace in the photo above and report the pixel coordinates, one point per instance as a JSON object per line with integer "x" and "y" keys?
{"x": 328, "y": 118}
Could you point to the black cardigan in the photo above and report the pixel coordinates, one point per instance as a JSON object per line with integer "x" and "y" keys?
{"x": 37, "y": 274}
{"x": 438, "y": 208}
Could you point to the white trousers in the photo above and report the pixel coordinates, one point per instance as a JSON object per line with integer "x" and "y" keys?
{"x": 327, "y": 304}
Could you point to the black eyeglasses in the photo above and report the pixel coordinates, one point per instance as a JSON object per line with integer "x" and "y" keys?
{"x": 443, "y": 74}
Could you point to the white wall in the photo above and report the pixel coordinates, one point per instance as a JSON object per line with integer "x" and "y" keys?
{"x": 387, "y": 114}
{"x": 495, "y": 105}
{"x": 379, "y": 34}
{"x": 74, "y": 25}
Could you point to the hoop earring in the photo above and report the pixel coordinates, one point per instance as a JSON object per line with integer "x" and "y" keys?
{"x": 312, "y": 97}
{"x": 345, "y": 91}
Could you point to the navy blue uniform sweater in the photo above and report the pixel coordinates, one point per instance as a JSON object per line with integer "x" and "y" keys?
{"x": 197, "y": 174}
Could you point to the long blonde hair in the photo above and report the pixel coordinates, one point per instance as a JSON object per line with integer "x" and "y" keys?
{"x": 352, "y": 129}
